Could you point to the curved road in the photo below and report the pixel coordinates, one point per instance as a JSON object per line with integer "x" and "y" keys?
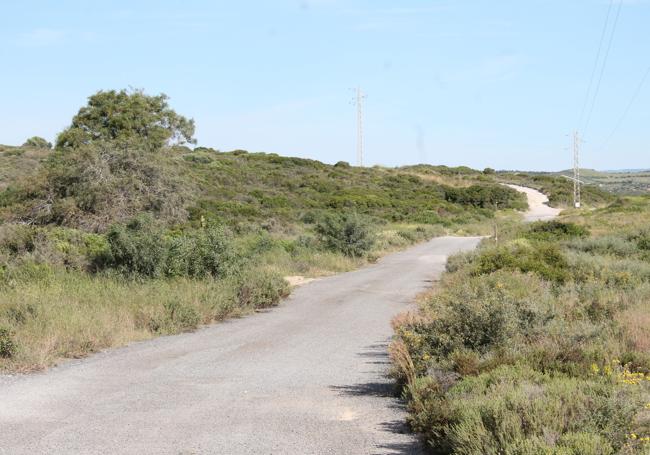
{"x": 308, "y": 377}
{"x": 538, "y": 209}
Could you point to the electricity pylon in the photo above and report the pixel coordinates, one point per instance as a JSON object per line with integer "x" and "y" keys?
{"x": 576, "y": 169}
{"x": 359, "y": 103}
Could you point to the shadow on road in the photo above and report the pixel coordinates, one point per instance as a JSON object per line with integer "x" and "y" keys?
{"x": 377, "y": 354}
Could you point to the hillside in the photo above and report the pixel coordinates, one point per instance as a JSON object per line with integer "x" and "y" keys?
{"x": 237, "y": 187}
{"x": 118, "y": 240}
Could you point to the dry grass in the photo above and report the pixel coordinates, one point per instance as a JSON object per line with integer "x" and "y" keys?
{"x": 73, "y": 314}
{"x": 635, "y": 322}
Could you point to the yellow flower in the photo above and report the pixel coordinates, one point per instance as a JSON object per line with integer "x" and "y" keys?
{"x": 595, "y": 369}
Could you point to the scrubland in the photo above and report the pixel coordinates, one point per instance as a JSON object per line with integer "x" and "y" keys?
{"x": 537, "y": 345}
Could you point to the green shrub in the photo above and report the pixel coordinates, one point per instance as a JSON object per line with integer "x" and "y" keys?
{"x": 555, "y": 230}
{"x": 486, "y": 313}
{"x": 349, "y": 234}
{"x": 485, "y": 196}
{"x": 260, "y": 288}
{"x": 517, "y": 410}
{"x": 544, "y": 259}
{"x": 136, "y": 248}
{"x": 37, "y": 142}
{"x": 206, "y": 252}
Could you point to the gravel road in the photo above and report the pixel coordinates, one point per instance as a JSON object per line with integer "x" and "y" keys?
{"x": 308, "y": 377}
{"x": 538, "y": 209}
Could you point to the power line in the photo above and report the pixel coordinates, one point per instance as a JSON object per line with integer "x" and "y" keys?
{"x": 593, "y": 70}
{"x": 604, "y": 64}
{"x": 635, "y": 95}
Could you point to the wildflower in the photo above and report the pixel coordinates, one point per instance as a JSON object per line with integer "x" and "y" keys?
{"x": 595, "y": 369}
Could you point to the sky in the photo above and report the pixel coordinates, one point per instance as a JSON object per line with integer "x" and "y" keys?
{"x": 498, "y": 83}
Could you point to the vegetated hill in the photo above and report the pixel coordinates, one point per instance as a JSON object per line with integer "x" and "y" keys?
{"x": 93, "y": 189}
{"x": 559, "y": 189}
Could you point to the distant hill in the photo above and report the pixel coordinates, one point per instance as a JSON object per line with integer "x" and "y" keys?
{"x": 620, "y": 181}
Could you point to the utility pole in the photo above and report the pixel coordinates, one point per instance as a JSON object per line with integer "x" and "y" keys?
{"x": 576, "y": 169}
{"x": 359, "y": 102}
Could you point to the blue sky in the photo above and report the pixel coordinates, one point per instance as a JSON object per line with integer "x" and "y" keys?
{"x": 496, "y": 83}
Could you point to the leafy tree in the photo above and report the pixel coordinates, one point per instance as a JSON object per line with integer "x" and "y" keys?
{"x": 127, "y": 115}
{"x": 37, "y": 142}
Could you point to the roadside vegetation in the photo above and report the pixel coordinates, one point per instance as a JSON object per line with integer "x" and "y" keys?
{"x": 124, "y": 231}
{"x": 537, "y": 345}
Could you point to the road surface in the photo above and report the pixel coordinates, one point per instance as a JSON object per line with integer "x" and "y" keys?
{"x": 538, "y": 209}
{"x": 308, "y": 377}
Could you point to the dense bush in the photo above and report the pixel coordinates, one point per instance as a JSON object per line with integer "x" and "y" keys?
{"x": 136, "y": 249}
{"x": 260, "y": 288}
{"x": 486, "y": 196}
{"x": 486, "y": 313}
{"x": 555, "y": 230}
{"x": 349, "y": 234}
{"x": 37, "y": 142}
{"x": 94, "y": 186}
{"x": 544, "y": 259}
{"x": 518, "y": 410}
{"x": 141, "y": 248}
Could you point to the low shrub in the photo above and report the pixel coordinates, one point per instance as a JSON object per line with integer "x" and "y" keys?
{"x": 260, "y": 288}
{"x": 136, "y": 248}
{"x": 514, "y": 409}
{"x": 555, "y": 230}
{"x": 349, "y": 234}
{"x": 544, "y": 259}
{"x": 142, "y": 249}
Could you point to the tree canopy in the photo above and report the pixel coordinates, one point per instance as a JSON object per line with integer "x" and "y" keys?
{"x": 127, "y": 115}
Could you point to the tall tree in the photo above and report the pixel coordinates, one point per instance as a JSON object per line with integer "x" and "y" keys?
{"x": 127, "y": 115}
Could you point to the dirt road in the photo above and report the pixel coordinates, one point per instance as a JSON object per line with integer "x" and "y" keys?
{"x": 538, "y": 209}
